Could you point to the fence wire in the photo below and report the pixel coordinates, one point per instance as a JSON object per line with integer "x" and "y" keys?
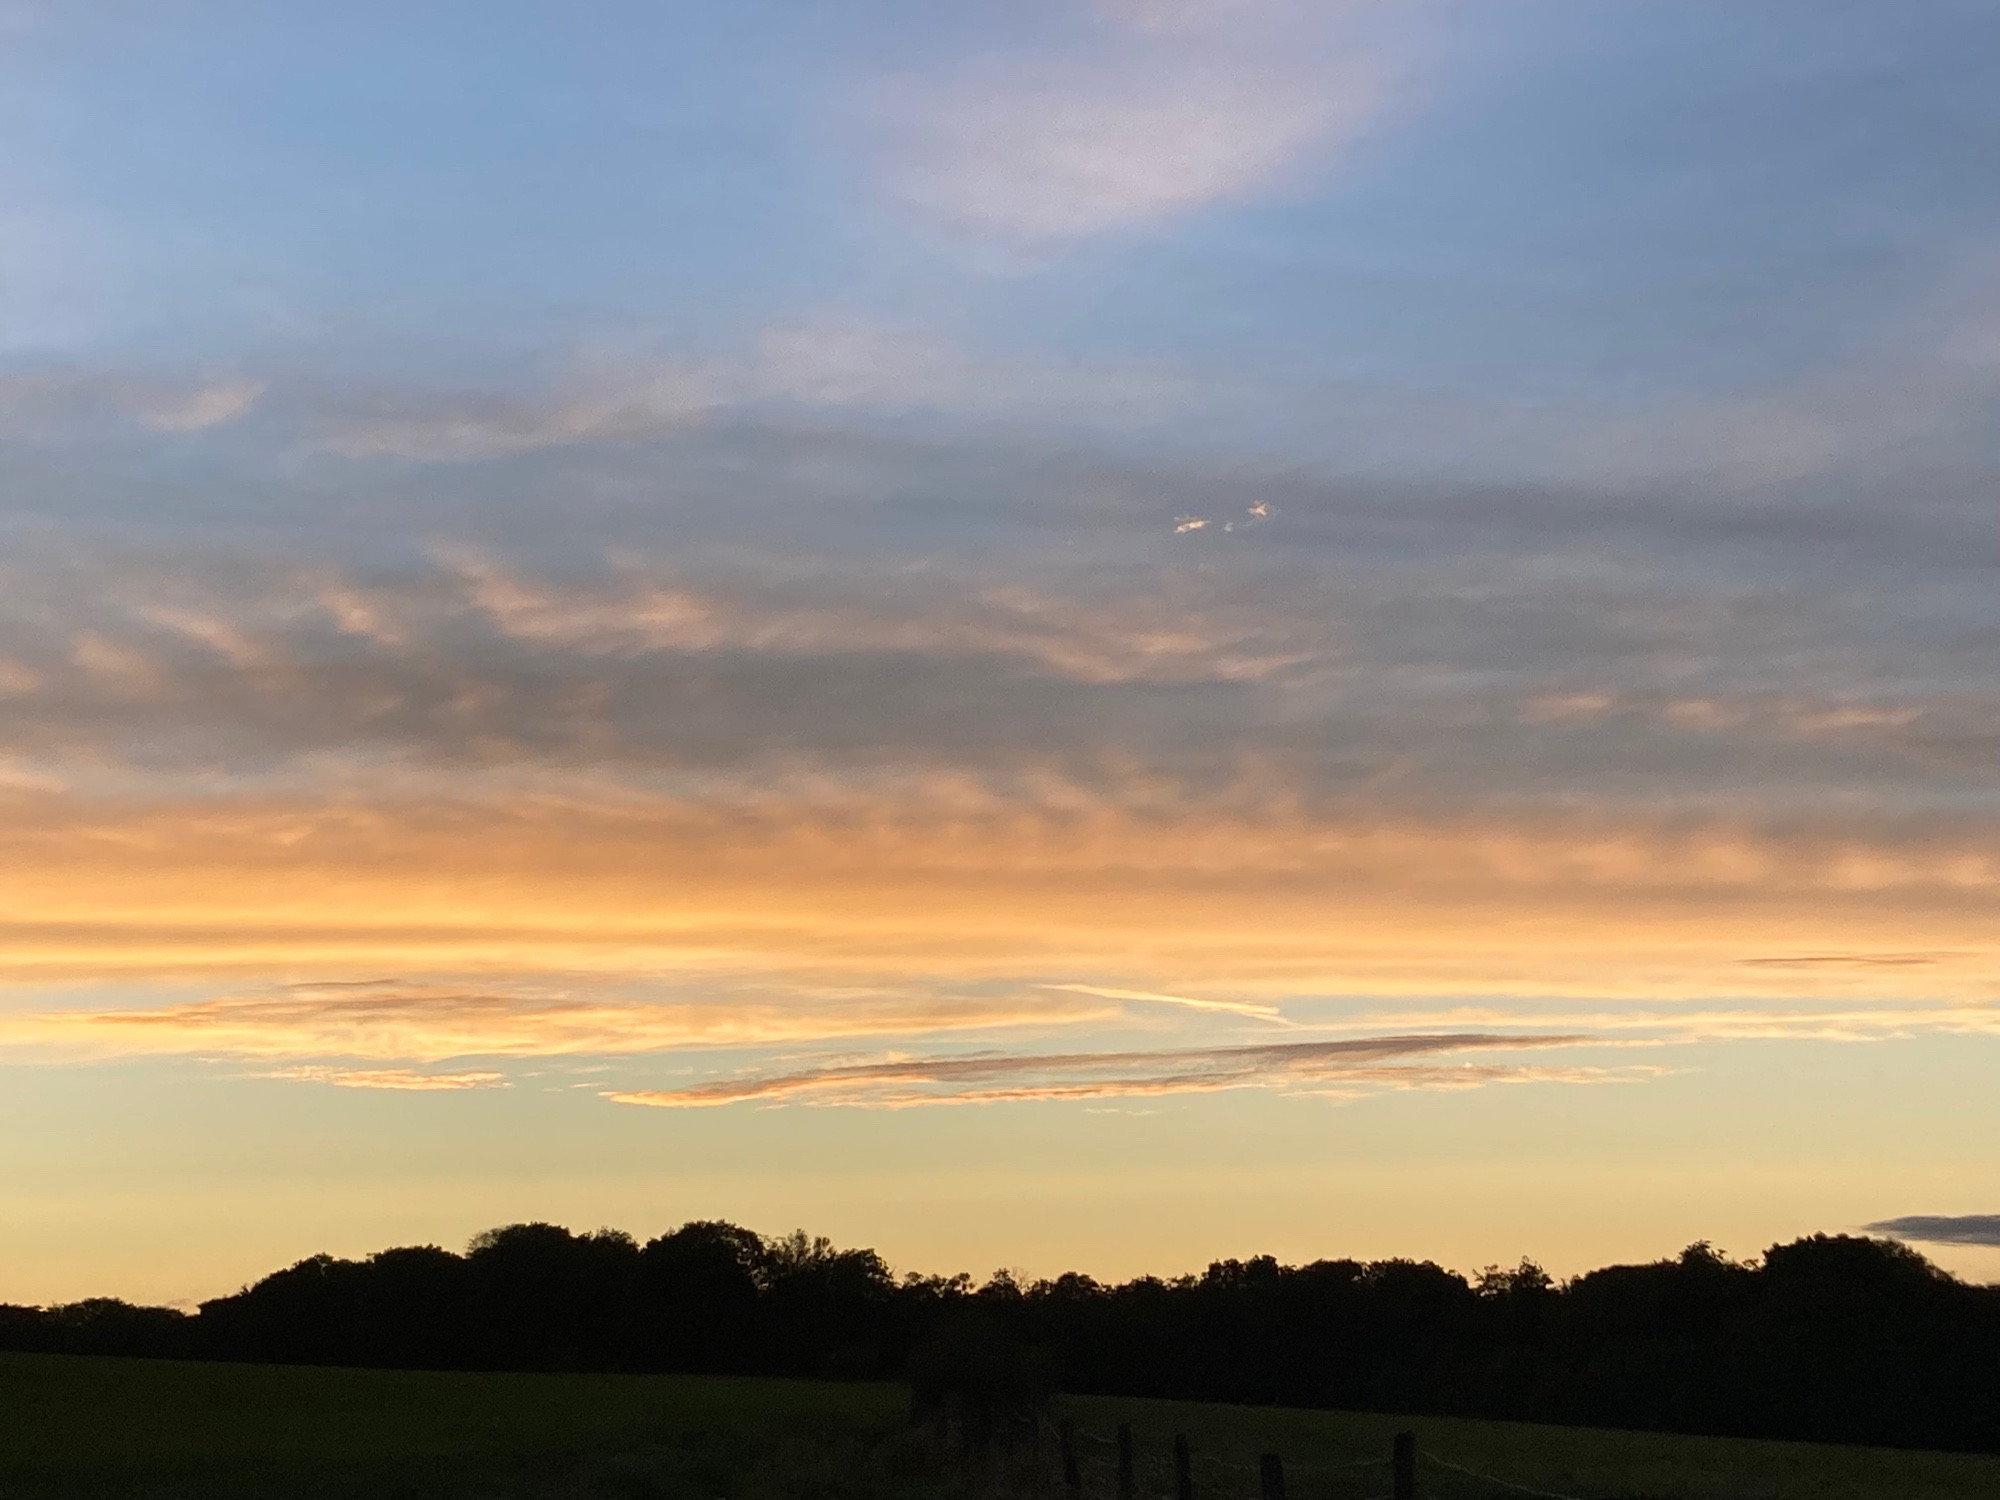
{"x": 1505, "y": 1484}
{"x": 1237, "y": 1479}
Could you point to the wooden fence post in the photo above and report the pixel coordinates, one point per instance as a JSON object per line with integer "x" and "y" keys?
{"x": 1125, "y": 1487}
{"x": 1072, "y": 1475}
{"x": 1271, "y": 1477}
{"x": 1183, "y": 1468}
{"x": 1406, "y": 1466}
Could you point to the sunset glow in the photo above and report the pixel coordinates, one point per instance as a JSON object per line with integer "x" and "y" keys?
{"x": 1366, "y": 627}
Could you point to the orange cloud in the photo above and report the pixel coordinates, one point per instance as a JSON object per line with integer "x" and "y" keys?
{"x": 1187, "y": 1002}
{"x": 391, "y": 1021}
{"x": 956, "y": 879}
{"x": 552, "y": 914}
{"x": 399, "y": 1079}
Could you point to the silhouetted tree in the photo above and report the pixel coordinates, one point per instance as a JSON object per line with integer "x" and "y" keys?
{"x": 1829, "y": 1337}
{"x": 698, "y": 1299}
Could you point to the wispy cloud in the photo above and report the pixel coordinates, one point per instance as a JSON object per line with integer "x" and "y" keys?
{"x": 37, "y": 400}
{"x": 1839, "y": 960}
{"x": 1152, "y": 113}
{"x": 197, "y": 409}
{"x": 1105, "y": 637}
{"x": 855, "y": 367}
{"x": 1358, "y": 1064}
{"x": 1231, "y": 1007}
{"x": 1747, "y": 1020}
{"x": 401, "y": 1022}
{"x": 478, "y": 653}
{"x": 1924, "y": 383}
{"x": 394, "y": 1079}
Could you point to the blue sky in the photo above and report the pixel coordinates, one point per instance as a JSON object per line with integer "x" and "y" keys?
{"x": 912, "y": 617}
{"x": 1660, "y": 196}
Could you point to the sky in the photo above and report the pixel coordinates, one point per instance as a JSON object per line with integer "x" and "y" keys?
{"x": 1089, "y": 634}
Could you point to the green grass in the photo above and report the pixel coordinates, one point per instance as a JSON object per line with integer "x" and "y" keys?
{"x": 154, "y": 1430}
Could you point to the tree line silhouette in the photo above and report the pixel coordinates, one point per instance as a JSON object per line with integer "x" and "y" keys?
{"x": 1834, "y": 1338}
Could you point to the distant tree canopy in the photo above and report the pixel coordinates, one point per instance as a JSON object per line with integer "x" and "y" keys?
{"x": 1832, "y": 1337}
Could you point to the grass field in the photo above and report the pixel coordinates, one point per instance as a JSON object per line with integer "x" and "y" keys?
{"x": 1584, "y": 1462}
{"x": 72, "y": 1428}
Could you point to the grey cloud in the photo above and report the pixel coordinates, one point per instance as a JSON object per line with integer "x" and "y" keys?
{"x": 769, "y": 596}
{"x": 1942, "y": 1229}
{"x": 1844, "y": 960}
{"x": 299, "y": 661}
{"x": 1915, "y": 397}
{"x": 898, "y": 493}
{"x": 1388, "y": 644}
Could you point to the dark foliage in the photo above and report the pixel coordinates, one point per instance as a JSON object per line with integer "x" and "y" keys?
{"x": 1832, "y": 1337}
{"x": 102, "y": 1325}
